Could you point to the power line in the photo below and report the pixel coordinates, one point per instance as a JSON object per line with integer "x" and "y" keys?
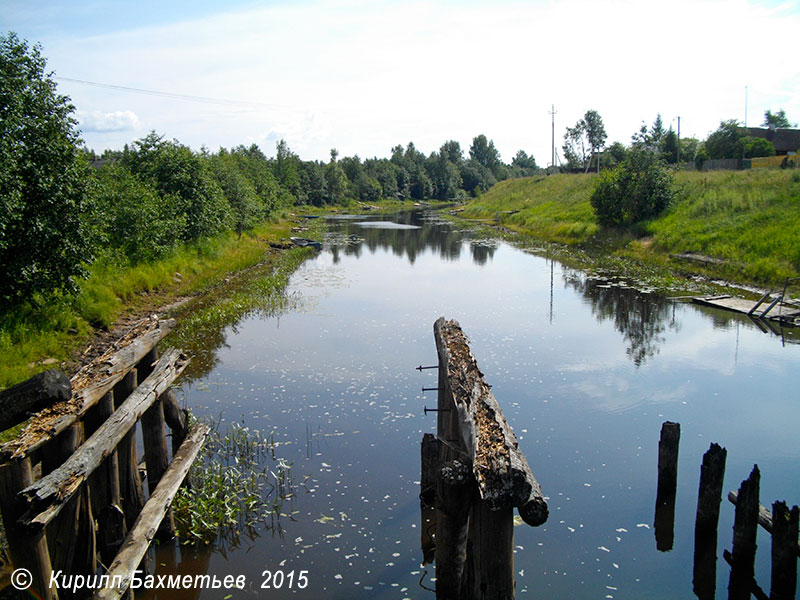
{"x": 173, "y": 96}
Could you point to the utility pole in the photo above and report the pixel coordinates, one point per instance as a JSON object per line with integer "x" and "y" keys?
{"x": 679, "y": 142}
{"x": 553, "y": 121}
{"x": 745, "y": 107}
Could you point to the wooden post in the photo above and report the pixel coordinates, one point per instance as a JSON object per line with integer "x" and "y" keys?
{"x": 427, "y": 496}
{"x": 745, "y": 526}
{"x": 63, "y": 532}
{"x": 709, "y": 496}
{"x": 104, "y": 486}
{"x": 667, "y": 485}
{"x": 455, "y": 488}
{"x": 156, "y": 459}
{"x": 176, "y": 418}
{"x": 491, "y": 534}
{"x": 783, "y": 584}
{"x": 130, "y": 483}
{"x": 27, "y": 551}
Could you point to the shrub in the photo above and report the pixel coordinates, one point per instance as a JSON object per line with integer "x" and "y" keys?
{"x": 639, "y": 188}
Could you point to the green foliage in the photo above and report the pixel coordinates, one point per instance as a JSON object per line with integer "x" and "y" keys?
{"x": 639, "y": 188}
{"x": 776, "y": 120}
{"x": 131, "y": 216}
{"x": 43, "y": 180}
{"x": 725, "y": 141}
{"x": 237, "y": 485}
{"x": 755, "y": 147}
{"x": 186, "y": 178}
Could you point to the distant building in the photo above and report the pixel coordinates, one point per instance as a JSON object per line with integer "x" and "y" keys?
{"x": 786, "y": 141}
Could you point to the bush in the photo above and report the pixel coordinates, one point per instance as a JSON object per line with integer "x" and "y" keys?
{"x": 639, "y": 188}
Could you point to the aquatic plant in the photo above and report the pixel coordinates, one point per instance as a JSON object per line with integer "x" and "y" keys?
{"x": 236, "y": 485}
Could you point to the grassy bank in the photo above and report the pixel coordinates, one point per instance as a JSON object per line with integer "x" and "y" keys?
{"x": 34, "y": 338}
{"x": 749, "y": 220}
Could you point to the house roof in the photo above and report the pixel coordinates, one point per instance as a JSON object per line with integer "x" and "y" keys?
{"x": 784, "y": 140}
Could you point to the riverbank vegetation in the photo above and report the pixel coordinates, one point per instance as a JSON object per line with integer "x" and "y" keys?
{"x": 86, "y": 238}
{"x": 746, "y": 222}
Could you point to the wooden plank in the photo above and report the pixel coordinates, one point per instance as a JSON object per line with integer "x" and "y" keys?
{"x": 147, "y": 523}
{"x": 503, "y": 474}
{"x": 40, "y": 391}
{"x": 764, "y": 515}
{"x": 48, "y": 495}
{"x": 104, "y": 374}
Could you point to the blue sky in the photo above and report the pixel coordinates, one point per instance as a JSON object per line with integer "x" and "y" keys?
{"x": 363, "y": 76}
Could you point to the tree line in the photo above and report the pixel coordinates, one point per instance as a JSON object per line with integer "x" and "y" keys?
{"x": 584, "y": 143}
{"x": 64, "y": 207}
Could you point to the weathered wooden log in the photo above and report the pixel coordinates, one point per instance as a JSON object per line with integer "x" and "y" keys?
{"x": 502, "y": 473}
{"x": 156, "y": 459}
{"x": 764, "y": 516}
{"x": 664, "y": 521}
{"x": 144, "y": 530}
{"x": 19, "y": 401}
{"x": 455, "y": 492}
{"x": 59, "y": 417}
{"x": 709, "y": 497}
{"x": 130, "y": 483}
{"x": 48, "y": 495}
{"x": 491, "y": 560}
{"x": 62, "y": 532}
{"x": 745, "y": 525}
{"x": 429, "y": 451}
{"x": 783, "y": 583}
{"x": 176, "y": 418}
{"x": 104, "y": 487}
{"x": 27, "y": 551}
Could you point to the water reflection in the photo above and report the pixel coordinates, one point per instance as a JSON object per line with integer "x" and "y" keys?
{"x": 412, "y": 234}
{"x": 642, "y": 318}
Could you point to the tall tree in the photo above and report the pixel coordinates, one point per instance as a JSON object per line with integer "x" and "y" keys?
{"x": 484, "y": 153}
{"x": 595, "y": 133}
{"x": 777, "y": 120}
{"x": 43, "y": 178}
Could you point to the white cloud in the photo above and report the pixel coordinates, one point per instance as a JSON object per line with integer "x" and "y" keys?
{"x": 363, "y": 76}
{"x": 102, "y": 122}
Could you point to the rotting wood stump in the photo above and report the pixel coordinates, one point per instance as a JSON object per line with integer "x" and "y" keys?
{"x": 480, "y": 477}
{"x": 501, "y": 471}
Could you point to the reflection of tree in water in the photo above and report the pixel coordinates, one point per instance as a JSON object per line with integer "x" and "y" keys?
{"x": 439, "y": 237}
{"x": 640, "y": 317}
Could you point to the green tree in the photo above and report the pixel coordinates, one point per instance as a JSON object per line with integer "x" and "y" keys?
{"x": 669, "y": 146}
{"x": 725, "y": 142}
{"x": 184, "y": 178}
{"x": 755, "y": 147}
{"x": 639, "y": 188}
{"x": 777, "y": 120}
{"x": 43, "y": 179}
{"x": 595, "y": 133}
{"x": 238, "y": 190}
{"x": 484, "y": 153}
{"x": 132, "y": 217}
{"x": 524, "y": 164}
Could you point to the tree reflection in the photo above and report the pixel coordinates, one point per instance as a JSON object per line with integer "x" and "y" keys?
{"x": 641, "y": 318}
{"x": 351, "y": 237}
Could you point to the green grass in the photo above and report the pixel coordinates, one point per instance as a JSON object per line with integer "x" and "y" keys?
{"x": 37, "y": 337}
{"x": 750, "y": 219}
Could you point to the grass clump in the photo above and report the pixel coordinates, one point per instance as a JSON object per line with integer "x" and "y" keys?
{"x": 237, "y": 485}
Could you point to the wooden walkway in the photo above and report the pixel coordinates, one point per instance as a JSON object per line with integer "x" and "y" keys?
{"x": 788, "y": 314}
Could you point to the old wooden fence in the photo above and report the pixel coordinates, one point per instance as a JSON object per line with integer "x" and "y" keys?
{"x": 474, "y": 474}
{"x": 71, "y": 490}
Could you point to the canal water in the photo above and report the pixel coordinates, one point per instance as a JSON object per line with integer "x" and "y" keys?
{"x": 585, "y": 369}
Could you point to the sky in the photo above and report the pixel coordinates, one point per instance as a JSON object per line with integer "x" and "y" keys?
{"x": 363, "y": 76}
